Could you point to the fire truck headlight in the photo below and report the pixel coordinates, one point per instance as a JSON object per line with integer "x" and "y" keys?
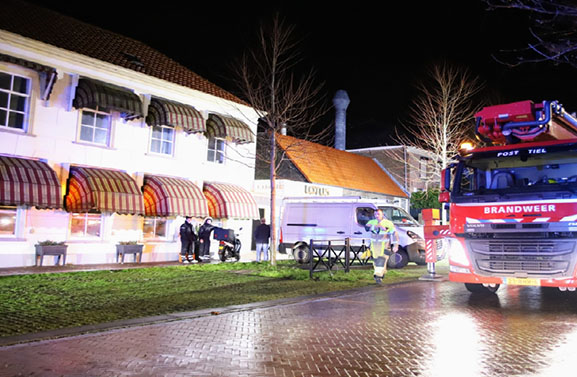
{"x": 457, "y": 253}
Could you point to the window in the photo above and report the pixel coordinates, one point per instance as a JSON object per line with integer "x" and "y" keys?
{"x": 423, "y": 167}
{"x": 162, "y": 140}
{"x": 469, "y": 179}
{"x": 364, "y": 215}
{"x": 8, "y": 221}
{"x": 14, "y": 97}
{"x": 95, "y": 126}
{"x": 85, "y": 225}
{"x": 155, "y": 227}
{"x": 216, "y": 150}
{"x": 398, "y": 216}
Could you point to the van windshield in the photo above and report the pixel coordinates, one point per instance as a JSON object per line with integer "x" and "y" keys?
{"x": 399, "y": 216}
{"x": 523, "y": 173}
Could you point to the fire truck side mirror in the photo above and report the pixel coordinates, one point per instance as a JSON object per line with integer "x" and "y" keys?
{"x": 446, "y": 180}
{"x": 445, "y": 195}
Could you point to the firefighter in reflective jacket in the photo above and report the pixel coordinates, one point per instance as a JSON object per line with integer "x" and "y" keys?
{"x": 383, "y": 235}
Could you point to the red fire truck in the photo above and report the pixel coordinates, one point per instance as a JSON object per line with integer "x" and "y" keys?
{"x": 513, "y": 204}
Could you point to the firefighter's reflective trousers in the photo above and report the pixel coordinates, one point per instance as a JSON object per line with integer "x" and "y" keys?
{"x": 380, "y": 254}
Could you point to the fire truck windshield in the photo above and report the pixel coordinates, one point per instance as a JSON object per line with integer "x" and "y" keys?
{"x": 516, "y": 173}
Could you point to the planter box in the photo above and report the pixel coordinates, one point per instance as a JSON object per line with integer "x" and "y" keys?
{"x": 58, "y": 250}
{"x": 136, "y": 250}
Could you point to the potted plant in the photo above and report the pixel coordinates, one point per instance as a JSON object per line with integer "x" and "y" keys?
{"x": 49, "y": 247}
{"x": 129, "y": 247}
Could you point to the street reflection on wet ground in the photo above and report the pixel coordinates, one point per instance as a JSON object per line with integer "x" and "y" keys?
{"x": 414, "y": 329}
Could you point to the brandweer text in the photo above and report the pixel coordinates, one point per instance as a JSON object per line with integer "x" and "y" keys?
{"x": 520, "y": 209}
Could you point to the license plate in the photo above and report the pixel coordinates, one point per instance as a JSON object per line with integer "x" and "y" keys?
{"x": 522, "y": 281}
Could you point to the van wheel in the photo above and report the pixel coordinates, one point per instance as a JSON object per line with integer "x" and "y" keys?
{"x": 301, "y": 253}
{"x": 400, "y": 260}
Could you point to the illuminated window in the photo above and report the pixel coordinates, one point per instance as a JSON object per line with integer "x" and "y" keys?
{"x": 84, "y": 225}
{"x": 8, "y": 221}
{"x": 215, "y": 150}
{"x": 155, "y": 227}
{"x": 14, "y": 98}
{"x": 423, "y": 162}
{"x": 95, "y": 126}
{"x": 162, "y": 140}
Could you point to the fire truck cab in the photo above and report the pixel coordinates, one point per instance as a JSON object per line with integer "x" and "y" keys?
{"x": 513, "y": 204}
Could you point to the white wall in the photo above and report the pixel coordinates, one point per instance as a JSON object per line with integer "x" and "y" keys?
{"x": 51, "y": 136}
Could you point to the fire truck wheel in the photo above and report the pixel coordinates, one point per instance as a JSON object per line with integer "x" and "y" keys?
{"x": 400, "y": 260}
{"x": 480, "y": 288}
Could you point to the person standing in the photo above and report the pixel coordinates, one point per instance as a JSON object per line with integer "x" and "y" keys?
{"x": 383, "y": 234}
{"x": 187, "y": 239}
{"x": 204, "y": 236}
{"x": 261, "y": 237}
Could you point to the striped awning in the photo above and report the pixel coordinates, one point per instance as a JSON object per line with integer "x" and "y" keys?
{"x": 47, "y": 75}
{"x": 103, "y": 190}
{"x": 28, "y": 183}
{"x": 163, "y": 112}
{"x": 171, "y": 196}
{"x": 229, "y": 128}
{"x": 230, "y": 201}
{"x": 91, "y": 93}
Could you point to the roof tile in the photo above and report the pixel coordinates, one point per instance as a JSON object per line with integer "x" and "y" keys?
{"x": 50, "y": 27}
{"x": 330, "y": 166}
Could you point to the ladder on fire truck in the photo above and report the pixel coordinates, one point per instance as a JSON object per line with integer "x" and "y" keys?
{"x": 525, "y": 121}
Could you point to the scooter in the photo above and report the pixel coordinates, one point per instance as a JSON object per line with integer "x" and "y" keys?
{"x": 228, "y": 244}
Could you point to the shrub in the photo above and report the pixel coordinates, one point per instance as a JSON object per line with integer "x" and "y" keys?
{"x": 50, "y": 243}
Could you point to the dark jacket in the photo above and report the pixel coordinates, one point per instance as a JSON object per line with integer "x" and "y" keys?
{"x": 204, "y": 231}
{"x": 262, "y": 233}
{"x": 187, "y": 234}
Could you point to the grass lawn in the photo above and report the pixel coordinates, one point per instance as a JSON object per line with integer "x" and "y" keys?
{"x": 38, "y": 302}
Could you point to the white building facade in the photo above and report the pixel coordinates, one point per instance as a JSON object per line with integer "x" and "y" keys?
{"x": 131, "y": 155}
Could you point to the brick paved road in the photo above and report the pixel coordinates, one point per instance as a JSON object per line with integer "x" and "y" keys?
{"x": 416, "y": 329}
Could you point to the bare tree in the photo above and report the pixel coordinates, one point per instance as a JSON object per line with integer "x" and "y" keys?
{"x": 553, "y": 32}
{"x": 285, "y": 98}
{"x": 439, "y": 115}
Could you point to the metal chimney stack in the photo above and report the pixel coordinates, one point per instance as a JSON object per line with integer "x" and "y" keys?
{"x": 341, "y": 102}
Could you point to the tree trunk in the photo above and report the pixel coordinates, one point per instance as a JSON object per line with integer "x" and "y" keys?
{"x": 273, "y": 233}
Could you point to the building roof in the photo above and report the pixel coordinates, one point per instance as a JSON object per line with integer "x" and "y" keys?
{"x": 41, "y": 24}
{"x": 330, "y": 166}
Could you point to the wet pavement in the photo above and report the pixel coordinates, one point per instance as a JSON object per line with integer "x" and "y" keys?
{"x": 413, "y": 329}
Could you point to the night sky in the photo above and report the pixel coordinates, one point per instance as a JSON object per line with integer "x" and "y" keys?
{"x": 376, "y": 54}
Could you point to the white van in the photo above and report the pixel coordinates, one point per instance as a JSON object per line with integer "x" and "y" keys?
{"x": 332, "y": 218}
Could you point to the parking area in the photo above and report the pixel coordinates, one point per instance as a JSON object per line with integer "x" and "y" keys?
{"x": 411, "y": 329}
